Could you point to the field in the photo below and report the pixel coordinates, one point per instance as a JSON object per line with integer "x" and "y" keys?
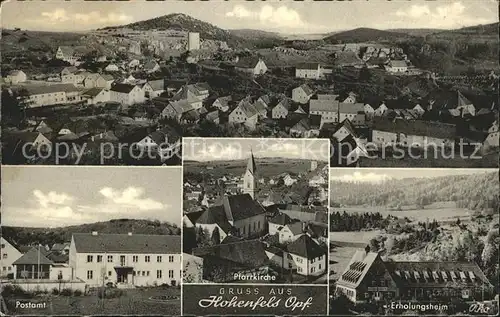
{"x": 442, "y": 212}
{"x": 133, "y": 302}
{"x": 268, "y": 167}
{"x": 358, "y": 239}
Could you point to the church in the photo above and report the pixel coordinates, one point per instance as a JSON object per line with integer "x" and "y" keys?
{"x": 241, "y": 214}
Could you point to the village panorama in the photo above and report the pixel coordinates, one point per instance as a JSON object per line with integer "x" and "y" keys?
{"x": 126, "y": 92}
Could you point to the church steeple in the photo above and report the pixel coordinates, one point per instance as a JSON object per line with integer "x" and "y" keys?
{"x": 250, "y": 177}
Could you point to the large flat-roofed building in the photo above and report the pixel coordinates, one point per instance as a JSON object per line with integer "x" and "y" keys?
{"x": 126, "y": 259}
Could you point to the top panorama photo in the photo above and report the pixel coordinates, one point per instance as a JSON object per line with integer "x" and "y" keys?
{"x": 120, "y": 83}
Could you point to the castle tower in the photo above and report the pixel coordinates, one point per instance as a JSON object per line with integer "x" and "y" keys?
{"x": 193, "y": 41}
{"x": 250, "y": 177}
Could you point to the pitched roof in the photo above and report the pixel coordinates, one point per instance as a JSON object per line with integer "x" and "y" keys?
{"x": 251, "y": 166}
{"x": 308, "y": 66}
{"x": 247, "y": 62}
{"x": 124, "y": 243}
{"x": 123, "y": 88}
{"x": 215, "y": 215}
{"x": 295, "y": 227}
{"x": 230, "y": 239}
{"x": 35, "y": 255}
{"x": 308, "y": 90}
{"x": 241, "y": 206}
{"x": 213, "y": 115}
{"x": 181, "y": 106}
{"x": 247, "y": 108}
{"x": 47, "y": 89}
{"x": 92, "y": 92}
{"x": 398, "y": 63}
{"x": 306, "y": 247}
{"x": 249, "y": 253}
{"x": 281, "y": 219}
{"x": 157, "y": 84}
{"x": 224, "y": 101}
{"x": 357, "y": 268}
{"x": 416, "y": 127}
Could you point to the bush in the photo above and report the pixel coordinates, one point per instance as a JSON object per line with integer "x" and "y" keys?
{"x": 67, "y": 292}
{"x": 10, "y": 290}
{"x": 109, "y": 293}
{"x": 77, "y": 292}
{"x": 55, "y": 291}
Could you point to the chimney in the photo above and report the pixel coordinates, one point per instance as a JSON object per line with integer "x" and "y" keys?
{"x": 94, "y": 233}
{"x": 304, "y": 227}
{"x": 130, "y": 233}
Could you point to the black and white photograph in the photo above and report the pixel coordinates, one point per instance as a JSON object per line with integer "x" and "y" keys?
{"x": 390, "y": 83}
{"x": 255, "y": 211}
{"x": 414, "y": 242}
{"x": 91, "y": 241}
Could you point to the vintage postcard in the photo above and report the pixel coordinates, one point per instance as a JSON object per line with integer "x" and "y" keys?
{"x": 414, "y": 241}
{"x": 93, "y": 241}
{"x": 255, "y": 213}
{"x": 120, "y": 83}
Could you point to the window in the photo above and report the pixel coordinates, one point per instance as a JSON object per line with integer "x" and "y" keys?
{"x": 171, "y": 273}
{"x": 299, "y": 269}
{"x": 143, "y": 273}
{"x": 9, "y": 268}
{"x": 170, "y": 258}
{"x": 90, "y": 275}
{"x": 147, "y": 259}
{"x": 158, "y": 273}
{"x": 3, "y": 246}
{"x": 90, "y": 258}
{"x": 319, "y": 266}
{"x": 109, "y": 273}
{"x": 4, "y": 268}
{"x": 258, "y": 224}
{"x": 110, "y": 258}
{"x": 135, "y": 258}
{"x": 147, "y": 273}
{"x": 158, "y": 258}
{"x": 99, "y": 258}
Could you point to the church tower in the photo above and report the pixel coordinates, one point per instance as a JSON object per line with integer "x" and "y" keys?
{"x": 250, "y": 177}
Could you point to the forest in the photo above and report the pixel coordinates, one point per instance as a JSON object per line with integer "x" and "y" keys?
{"x": 23, "y": 236}
{"x": 477, "y": 192}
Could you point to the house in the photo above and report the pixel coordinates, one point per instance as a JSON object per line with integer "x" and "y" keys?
{"x": 223, "y": 262}
{"x": 10, "y": 254}
{"x": 308, "y": 70}
{"x": 453, "y": 101}
{"x": 264, "y": 100}
{"x": 302, "y": 94}
{"x": 418, "y": 108}
{"x": 96, "y": 95}
{"x": 42, "y": 127}
{"x": 367, "y": 278}
{"x": 318, "y": 231}
{"x": 112, "y": 68}
{"x": 307, "y": 256}
{"x": 30, "y": 141}
{"x": 222, "y": 103}
{"x": 77, "y": 78}
{"x": 397, "y": 66}
{"x": 307, "y": 127}
{"x": 194, "y": 93}
{"x": 176, "y": 109}
{"x": 369, "y": 111}
{"x": 154, "y": 88}
{"x": 318, "y": 181}
{"x": 98, "y": 80}
{"x": 69, "y": 70}
{"x": 133, "y": 63}
{"x": 244, "y": 113}
{"x": 251, "y": 65}
{"x": 165, "y": 141}
{"x": 351, "y": 147}
{"x": 151, "y": 66}
{"x": 281, "y": 109}
{"x": 61, "y": 247}
{"x": 126, "y": 259}
{"x": 15, "y": 77}
{"x": 335, "y": 111}
{"x": 33, "y": 264}
{"x": 291, "y": 231}
{"x": 277, "y": 222}
{"x": 213, "y": 116}
{"x": 351, "y": 98}
{"x": 416, "y": 133}
{"x": 126, "y": 94}
{"x": 289, "y": 180}
{"x": 493, "y": 136}
{"x": 49, "y": 95}
{"x": 381, "y": 110}
{"x": 71, "y": 54}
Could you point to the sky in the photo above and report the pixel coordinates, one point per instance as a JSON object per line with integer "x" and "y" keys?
{"x": 50, "y": 196}
{"x": 222, "y": 149}
{"x": 282, "y": 16}
{"x": 376, "y": 175}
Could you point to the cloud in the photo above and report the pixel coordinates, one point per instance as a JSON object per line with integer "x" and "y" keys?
{"x": 219, "y": 151}
{"x": 131, "y": 197}
{"x": 52, "y": 198}
{"x": 359, "y": 177}
{"x": 60, "y": 16}
{"x": 271, "y": 17}
{"x": 453, "y": 15}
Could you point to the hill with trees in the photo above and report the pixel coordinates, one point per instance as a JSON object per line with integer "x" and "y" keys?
{"x": 361, "y": 35}
{"x": 48, "y": 236}
{"x": 475, "y": 192}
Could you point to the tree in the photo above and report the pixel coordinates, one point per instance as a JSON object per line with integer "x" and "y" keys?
{"x": 364, "y": 75}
